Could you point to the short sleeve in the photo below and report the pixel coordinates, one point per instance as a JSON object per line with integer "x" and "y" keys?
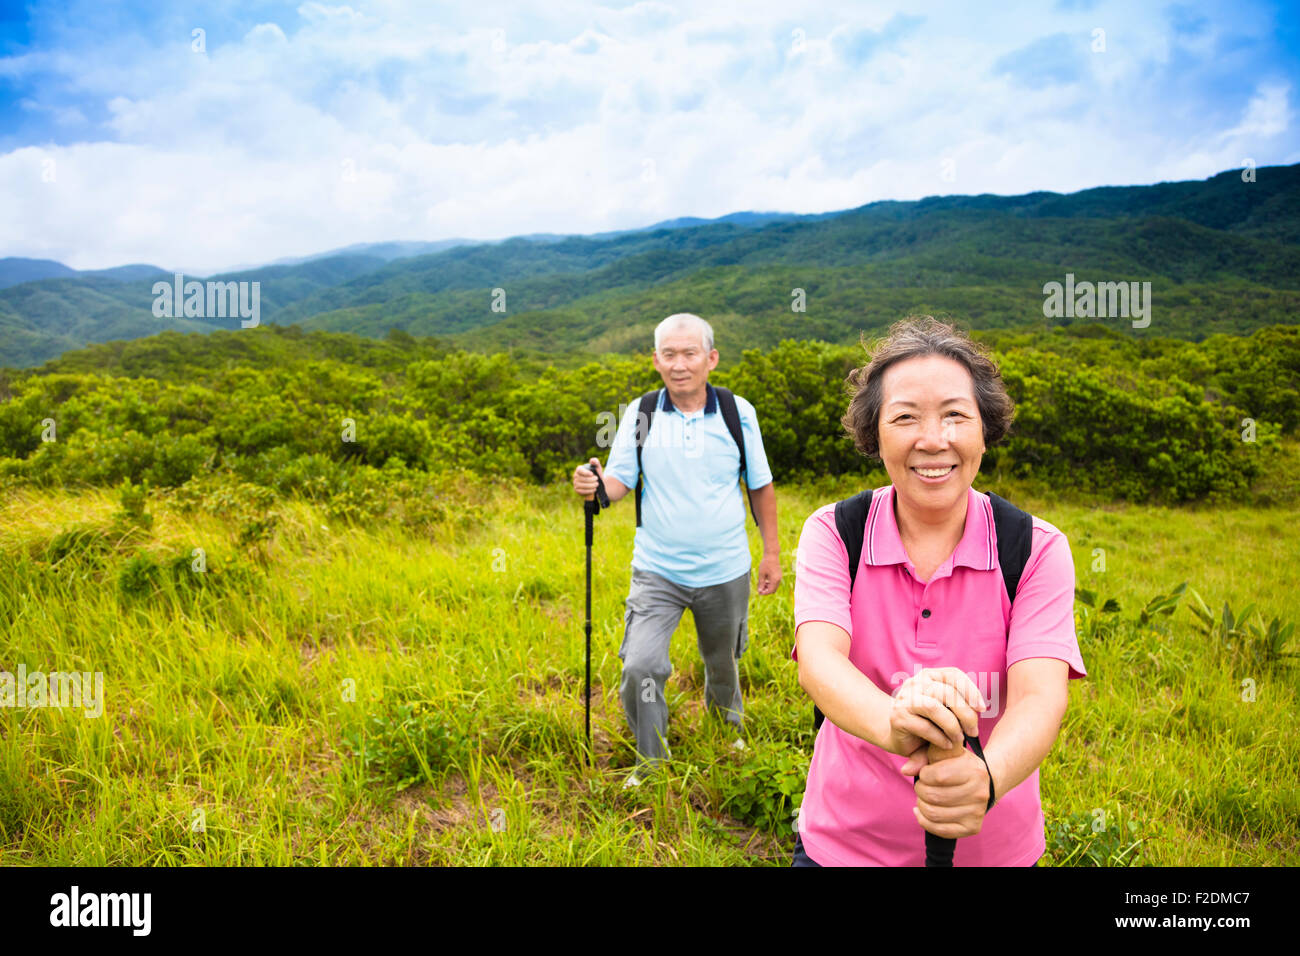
{"x": 759, "y": 474}
{"x": 1042, "y": 615}
{"x": 821, "y": 574}
{"x": 621, "y": 463}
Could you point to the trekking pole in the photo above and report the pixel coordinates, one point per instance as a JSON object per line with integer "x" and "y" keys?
{"x": 591, "y": 507}
{"x": 939, "y": 850}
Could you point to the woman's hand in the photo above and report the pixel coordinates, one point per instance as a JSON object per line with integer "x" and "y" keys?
{"x": 936, "y": 706}
{"x": 952, "y": 796}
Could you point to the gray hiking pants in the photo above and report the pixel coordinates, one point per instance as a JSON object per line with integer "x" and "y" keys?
{"x": 654, "y": 609}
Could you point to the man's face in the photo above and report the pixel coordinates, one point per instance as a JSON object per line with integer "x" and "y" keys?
{"x": 931, "y": 433}
{"x": 682, "y": 362}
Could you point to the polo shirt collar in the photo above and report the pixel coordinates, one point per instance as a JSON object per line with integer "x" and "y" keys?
{"x": 977, "y": 548}
{"x": 710, "y": 400}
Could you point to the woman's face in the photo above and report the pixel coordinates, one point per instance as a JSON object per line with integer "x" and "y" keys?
{"x": 931, "y": 434}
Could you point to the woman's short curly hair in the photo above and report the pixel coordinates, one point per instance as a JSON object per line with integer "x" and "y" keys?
{"x": 914, "y": 337}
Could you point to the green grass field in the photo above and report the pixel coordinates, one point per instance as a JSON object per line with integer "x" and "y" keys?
{"x": 410, "y": 693}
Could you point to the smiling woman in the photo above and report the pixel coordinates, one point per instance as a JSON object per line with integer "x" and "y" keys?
{"x": 895, "y": 651}
{"x": 928, "y": 405}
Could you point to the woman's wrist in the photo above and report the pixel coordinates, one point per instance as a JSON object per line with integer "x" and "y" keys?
{"x": 990, "y": 759}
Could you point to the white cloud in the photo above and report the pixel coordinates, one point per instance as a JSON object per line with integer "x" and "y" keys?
{"x": 1267, "y": 113}
{"x": 365, "y": 123}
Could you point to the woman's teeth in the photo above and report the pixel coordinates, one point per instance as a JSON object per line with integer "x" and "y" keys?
{"x": 934, "y": 472}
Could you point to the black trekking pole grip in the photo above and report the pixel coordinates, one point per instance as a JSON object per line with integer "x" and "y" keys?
{"x": 601, "y": 494}
{"x": 939, "y": 850}
{"x": 591, "y": 505}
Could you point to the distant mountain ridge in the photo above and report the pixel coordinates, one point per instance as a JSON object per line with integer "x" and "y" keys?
{"x": 15, "y": 270}
{"x": 1222, "y": 254}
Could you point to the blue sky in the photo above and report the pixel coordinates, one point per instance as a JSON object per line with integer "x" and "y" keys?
{"x": 284, "y": 129}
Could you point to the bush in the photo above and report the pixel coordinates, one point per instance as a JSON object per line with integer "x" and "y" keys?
{"x": 1148, "y": 419}
{"x": 763, "y": 790}
{"x": 1099, "y": 838}
{"x": 132, "y": 514}
{"x": 82, "y": 542}
{"x": 139, "y": 578}
{"x": 405, "y": 743}
{"x": 177, "y": 459}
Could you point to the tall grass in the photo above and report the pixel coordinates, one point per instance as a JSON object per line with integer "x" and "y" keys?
{"x": 329, "y": 692}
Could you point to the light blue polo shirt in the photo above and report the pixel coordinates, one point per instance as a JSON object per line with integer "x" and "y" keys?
{"x": 693, "y": 511}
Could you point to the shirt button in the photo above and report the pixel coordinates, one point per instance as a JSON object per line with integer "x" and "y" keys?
{"x": 925, "y": 613}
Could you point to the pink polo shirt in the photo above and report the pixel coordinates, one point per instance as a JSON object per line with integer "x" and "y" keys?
{"x": 857, "y": 809}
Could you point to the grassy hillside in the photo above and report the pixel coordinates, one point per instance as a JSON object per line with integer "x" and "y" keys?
{"x": 408, "y": 690}
{"x": 318, "y": 649}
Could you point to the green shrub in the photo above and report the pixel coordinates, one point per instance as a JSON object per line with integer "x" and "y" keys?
{"x": 763, "y": 791}
{"x": 1099, "y": 838}
{"x": 1138, "y": 419}
{"x": 80, "y": 542}
{"x": 133, "y": 499}
{"x": 139, "y": 578}
{"x": 405, "y": 743}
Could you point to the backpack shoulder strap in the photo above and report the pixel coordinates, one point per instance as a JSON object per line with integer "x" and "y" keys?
{"x": 731, "y": 415}
{"x": 1015, "y": 533}
{"x": 645, "y": 414}
{"x": 851, "y": 522}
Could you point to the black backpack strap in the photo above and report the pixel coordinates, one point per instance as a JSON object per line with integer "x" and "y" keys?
{"x": 645, "y": 415}
{"x": 851, "y": 522}
{"x": 731, "y": 415}
{"x": 1015, "y": 533}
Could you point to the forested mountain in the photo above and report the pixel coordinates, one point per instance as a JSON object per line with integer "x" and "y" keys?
{"x": 14, "y": 270}
{"x": 39, "y": 320}
{"x": 1222, "y": 255}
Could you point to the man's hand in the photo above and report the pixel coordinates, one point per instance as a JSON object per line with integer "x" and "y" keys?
{"x": 951, "y": 795}
{"x": 769, "y": 573}
{"x": 584, "y": 482}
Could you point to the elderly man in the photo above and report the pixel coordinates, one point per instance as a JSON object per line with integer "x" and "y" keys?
{"x": 691, "y": 548}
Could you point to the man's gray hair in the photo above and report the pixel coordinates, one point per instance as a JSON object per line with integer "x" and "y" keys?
{"x": 685, "y": 321}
